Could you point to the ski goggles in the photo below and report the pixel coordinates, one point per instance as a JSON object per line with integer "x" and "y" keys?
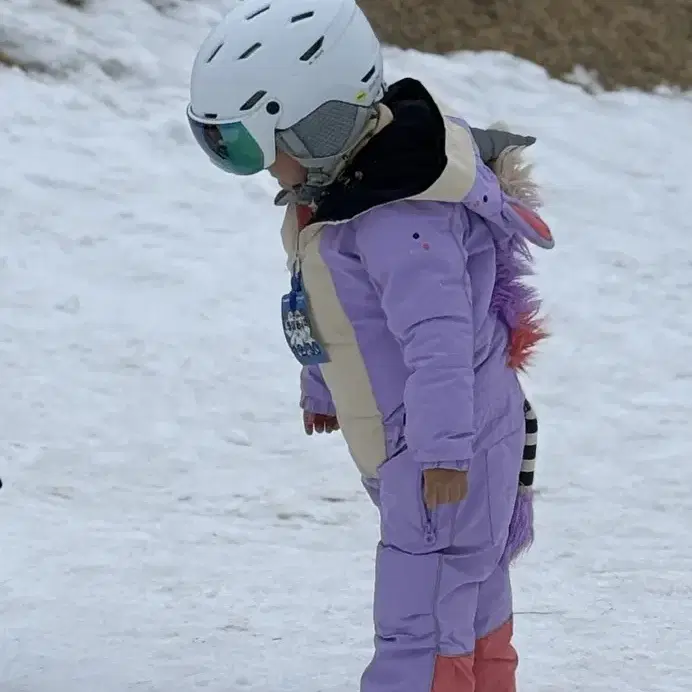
{"x": 231, "y": 146}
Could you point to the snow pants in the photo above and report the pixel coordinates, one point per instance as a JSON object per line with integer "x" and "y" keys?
{"x": 443, "y": 600}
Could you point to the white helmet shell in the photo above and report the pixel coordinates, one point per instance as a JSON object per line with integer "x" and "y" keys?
{"x": 271, "y": 63}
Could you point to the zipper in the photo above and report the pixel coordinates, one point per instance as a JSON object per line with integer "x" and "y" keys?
{"x": 430, "y": 535}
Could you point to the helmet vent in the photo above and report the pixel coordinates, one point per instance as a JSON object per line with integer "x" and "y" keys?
{"x": 253, "y": 100}
{"x": 301, "y": 17}
{"x": 257, "y": 13}
{"x": 314, "y": 48}
{"x": 370, "y": 73}
{"x": 249, "y": 51}
{"x": 215, "y": 52}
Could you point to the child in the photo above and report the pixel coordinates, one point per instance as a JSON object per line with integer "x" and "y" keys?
{"x": 406, "y": 309}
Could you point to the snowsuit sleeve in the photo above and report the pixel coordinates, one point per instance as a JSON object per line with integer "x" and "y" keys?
{"x": 314, "y": 394}
{"x": 414, "y": 255}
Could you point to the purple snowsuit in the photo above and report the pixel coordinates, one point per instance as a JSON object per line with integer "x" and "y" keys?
{"x": 413, "y": 293}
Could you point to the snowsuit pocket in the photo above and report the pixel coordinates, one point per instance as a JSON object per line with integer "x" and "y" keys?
{"x": 406, "y": 523}
{"x": 477, "y": 524}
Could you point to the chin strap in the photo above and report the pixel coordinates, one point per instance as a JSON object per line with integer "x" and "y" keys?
{"x": 308, "y": 193}
{"x": 304, "y": 194}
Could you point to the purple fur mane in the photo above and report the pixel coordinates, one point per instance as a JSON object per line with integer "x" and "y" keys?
{"x": 521, "y": 532}
{"x": 518, "y": 305}
{"x": 513, "y": 298}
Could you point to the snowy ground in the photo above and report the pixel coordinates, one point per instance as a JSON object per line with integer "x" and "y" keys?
{"x": 166, "y": 525}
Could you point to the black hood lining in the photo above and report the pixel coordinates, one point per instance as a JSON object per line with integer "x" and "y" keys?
{"x": 401, "y": 161}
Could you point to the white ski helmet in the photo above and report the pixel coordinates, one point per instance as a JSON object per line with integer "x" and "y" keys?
{"x": 300, "y": 75}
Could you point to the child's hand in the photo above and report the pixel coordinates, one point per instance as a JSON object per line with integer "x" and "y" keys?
{"x": 444, "y": 486}
{"x": 319, "y": 423}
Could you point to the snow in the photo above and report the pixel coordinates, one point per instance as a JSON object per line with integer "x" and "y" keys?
{"x": 167, "y": 526}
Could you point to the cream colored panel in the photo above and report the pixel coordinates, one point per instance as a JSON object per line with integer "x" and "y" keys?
{"x": 345, "y": 374}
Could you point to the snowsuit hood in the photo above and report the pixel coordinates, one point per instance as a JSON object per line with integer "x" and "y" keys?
{"x": 408, "y": 155}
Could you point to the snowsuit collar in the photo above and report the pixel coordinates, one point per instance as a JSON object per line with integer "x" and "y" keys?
{"x": 401, "y": 161}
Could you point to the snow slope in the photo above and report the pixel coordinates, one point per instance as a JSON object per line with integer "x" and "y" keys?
{"x": 167, "y": 527}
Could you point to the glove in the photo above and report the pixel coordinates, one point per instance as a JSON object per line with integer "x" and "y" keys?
{"x": 491, "y": 143}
